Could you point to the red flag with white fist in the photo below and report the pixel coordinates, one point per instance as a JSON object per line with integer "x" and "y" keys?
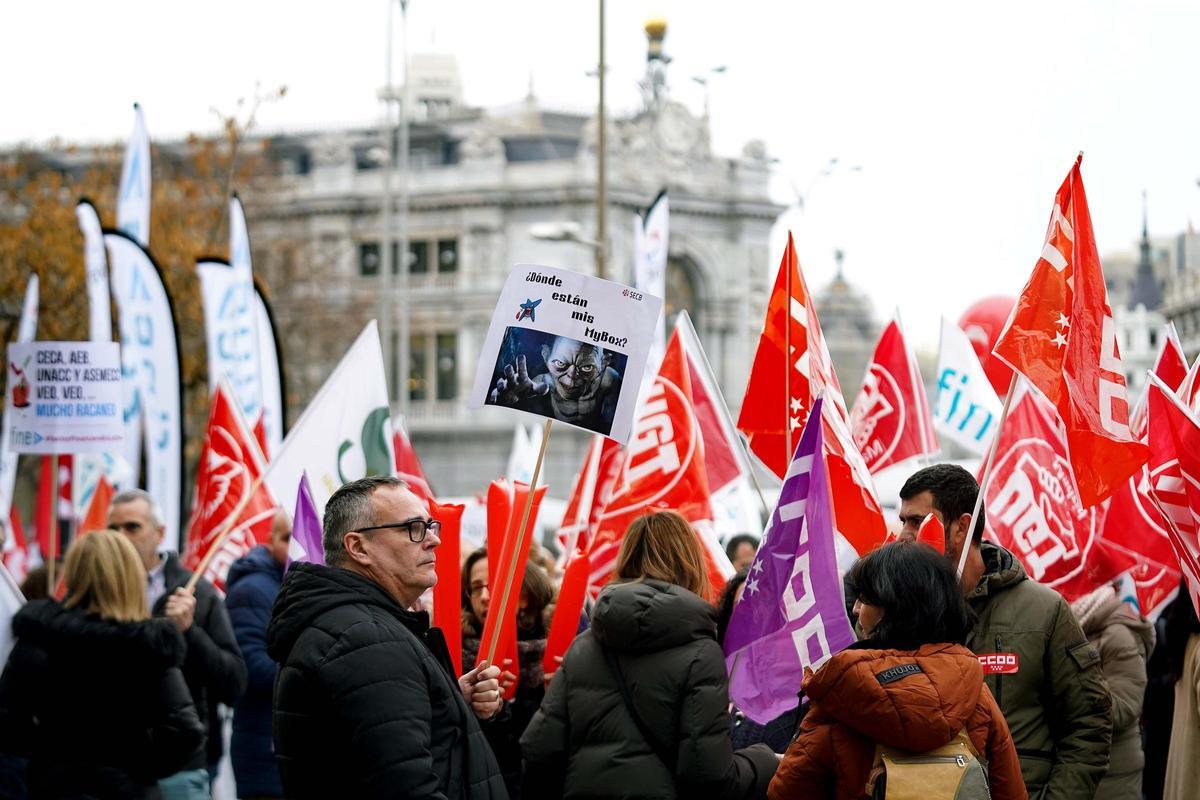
{"x": 1174, "y": 468}
{"x": 1061, "y": 337}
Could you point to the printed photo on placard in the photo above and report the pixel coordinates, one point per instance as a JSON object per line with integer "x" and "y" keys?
{"x": 558, "y": 377}
{"x": 568, "y": 347}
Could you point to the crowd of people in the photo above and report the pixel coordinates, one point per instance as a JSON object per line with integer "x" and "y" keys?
{"x": 988, "y": 685}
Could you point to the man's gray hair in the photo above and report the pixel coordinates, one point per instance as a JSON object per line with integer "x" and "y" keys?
{"x": 133, "y": 495}
{"x": 350, "y": 509}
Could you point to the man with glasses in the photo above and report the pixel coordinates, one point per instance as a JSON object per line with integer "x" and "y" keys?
{"x": 366, "y": 702}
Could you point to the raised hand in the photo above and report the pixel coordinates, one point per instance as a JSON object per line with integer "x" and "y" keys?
{"x": 516, "y": 385}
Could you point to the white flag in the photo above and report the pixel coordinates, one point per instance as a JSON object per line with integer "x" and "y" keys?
{"x": 967, "y": 410}
{"x": 150, "y": 357}
{"x": 26, "y": 330}
{"x": 230, "y": 328}
{"x": 95, "y": 263}
{"x": 271, "y": 372}
{"x": 133, "y": 198}
{"x": 650, "y": 261}
{"x": 344, "y": 434}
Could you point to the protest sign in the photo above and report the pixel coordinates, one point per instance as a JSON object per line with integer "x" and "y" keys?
{"x": 569, "y": 347}
{"x": 64, "y": 397}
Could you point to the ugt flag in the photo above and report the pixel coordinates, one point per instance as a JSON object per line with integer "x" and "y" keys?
{"x": 967, "y": 410}
{"x": 1061, "y": 337}
{"x": 791, "y": 614}
{"x": 344, "y": 434}
{"x": 1175, "y": 477}
{"x": 890, "y": 418}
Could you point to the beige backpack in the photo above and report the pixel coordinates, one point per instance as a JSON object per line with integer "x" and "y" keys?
{"x": 953, "y": 771}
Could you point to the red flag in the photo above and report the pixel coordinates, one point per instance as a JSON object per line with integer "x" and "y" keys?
{"x": 260, "y": 434}
{"x": 1189, "y": 391}
{"x": 16, "y": 551}
{"x": 1033, "y": 506}
{"x": 1061, "y": 336}
{"x": 447, "y": 592}
{"x": 408, "y": 466}
{"x": 232, "y": 493}
{"x": 590, "y": 494}
{"x": 1175, "y": 477}
{"x": 1171, "y": 366}
{"x": 567, "y": 611}
{"x": 933, "y": 533}
{"x": 96, "y": 516}
{"x": 890, "y": 419}
{"x": 1156, "y": 586}
{"x": 43, "y": 514}
{"x": 791, "y": 367}
{"x": 662, "y": 468}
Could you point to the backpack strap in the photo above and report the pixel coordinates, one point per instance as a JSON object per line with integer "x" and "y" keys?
{"x": 656, "y": 745}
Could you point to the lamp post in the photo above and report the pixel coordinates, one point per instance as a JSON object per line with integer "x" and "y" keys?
{"x": 601, "y": 165}
{"x": 705, "y": 79}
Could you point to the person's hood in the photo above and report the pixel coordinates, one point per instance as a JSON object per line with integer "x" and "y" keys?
{"x": 649, "y": 615}
{"x": 912, "y": 700}
{"x": 310, "y": 590}
{"x": 257, "y": 560}
{"x": 1001, "y": 570}
{"x": 153, "y": 643}
{"x": 1103, "y": 607}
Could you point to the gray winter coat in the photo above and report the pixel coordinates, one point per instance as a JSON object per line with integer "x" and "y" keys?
{"x": 583, "y": 742}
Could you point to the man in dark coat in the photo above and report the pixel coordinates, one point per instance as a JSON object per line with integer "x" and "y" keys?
{"x": 251, "y": 588}
{"x": 1044, "y": 673}
{"x": 213, "y": 666}
{"x": 366, "y": 702}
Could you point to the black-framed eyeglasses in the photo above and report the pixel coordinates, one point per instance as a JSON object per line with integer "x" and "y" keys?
{"x": 417, "y": 528}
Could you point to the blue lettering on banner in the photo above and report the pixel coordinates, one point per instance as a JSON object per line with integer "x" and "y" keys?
{"x": 953, "y": 407}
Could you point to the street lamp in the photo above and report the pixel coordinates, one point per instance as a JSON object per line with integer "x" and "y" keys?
{"x": 704, "y": 81}
{"x": 561, "y": 232}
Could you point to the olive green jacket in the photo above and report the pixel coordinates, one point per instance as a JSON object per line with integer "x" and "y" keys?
{"x": 1057, "y": 702}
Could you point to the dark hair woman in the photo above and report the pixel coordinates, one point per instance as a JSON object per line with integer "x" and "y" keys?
{"x": 93, "y": 692}
{"x": 639, "y": 707}
{"x": 908, "y": 685}
{"x": 504, "y": 733}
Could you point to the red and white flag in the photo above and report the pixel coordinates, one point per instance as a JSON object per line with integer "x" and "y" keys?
{"x": 662, "y": 468}
{"x": 96, "y": 516}
{"x": 890, "y": 418}
{"x": 1033, "y": 506}
{"x": 1133, "y": 525}
{"x": 1174, "y": 438}
{"x": 1189, "y": 391}
{"x": 589, "y": 495}
{"x": 1171, "y": 366}
{"x": 230, "y": 492}
{"x": 1061, "y": 337}
{"x": 15, "y": 552}
{"x": 792, "y": 368}
{"x": 408, "y": 466}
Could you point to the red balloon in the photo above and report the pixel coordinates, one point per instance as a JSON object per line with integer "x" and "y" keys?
{"x": 982, "y": 322}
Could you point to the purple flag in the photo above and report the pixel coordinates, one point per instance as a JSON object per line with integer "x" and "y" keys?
{"x": 306, "y": 528}
{"x": 791, "y": 614}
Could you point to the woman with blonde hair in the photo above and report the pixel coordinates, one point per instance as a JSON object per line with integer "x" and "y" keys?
{"x": 639, "y": 707}
{"x": 92, "y": 693}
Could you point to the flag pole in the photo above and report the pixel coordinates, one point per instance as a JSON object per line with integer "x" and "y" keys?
{"x": 511, "y": 567}
{"x": 53, "y": 532}
{"x": 787, "y": 358}
{"x": 987, "y": 473}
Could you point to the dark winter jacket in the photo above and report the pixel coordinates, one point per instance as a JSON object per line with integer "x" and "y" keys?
{"x": 1125, "y": 641}
{"x": 251, "y": 587}
{"x": 100, "y": 708}
{"x": 1056, "y": 702}
{"x": 853, "y": 708}
{"x": 366, "y": 701}
{"x": 213, "y": 666}
{"x": 583, "y": 742}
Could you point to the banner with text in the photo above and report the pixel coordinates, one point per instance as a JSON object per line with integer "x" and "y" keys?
{"x": 63, "y": 397}
{"x": 569, "y": 347}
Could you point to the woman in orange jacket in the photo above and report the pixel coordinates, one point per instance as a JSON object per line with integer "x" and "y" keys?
{"x": 908, "y": 685}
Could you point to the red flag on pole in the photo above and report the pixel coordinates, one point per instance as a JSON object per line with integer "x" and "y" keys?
{"x": 260, "y": 434}
{"x": 96, "y": 516}
{"x": 1189, "y": 391}
{"x": 662, "y": 468}
{"x": 408, "y": 466}
{"x": 1061, "y": 337}
{"x": 1171, "y": 366}
{"x": 232, "y": 493}
{"x": 1033, "y": 506}
{"x": 890, "y": 418}
{"x": 590, "y": 494}
{"x": 1174, "y": 438}
{"x": 447, "y": 592}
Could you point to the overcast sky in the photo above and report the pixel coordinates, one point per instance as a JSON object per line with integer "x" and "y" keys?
{"x": 964, "y": 118}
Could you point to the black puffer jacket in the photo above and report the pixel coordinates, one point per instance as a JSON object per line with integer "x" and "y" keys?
{"x": 583, "y": 742}
{"x": 366, "y": 702}
{"x": 99, "y": 707}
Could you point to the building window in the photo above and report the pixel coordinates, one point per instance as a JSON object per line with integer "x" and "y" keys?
{"x": 447, "y": 366}
{"x": 368, "y": 258}
{"x": 418, "y": 368}
{"x": 447, "y": 255}
{"x": 1153, "y": 339}
{"x": 418, "y": 258}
